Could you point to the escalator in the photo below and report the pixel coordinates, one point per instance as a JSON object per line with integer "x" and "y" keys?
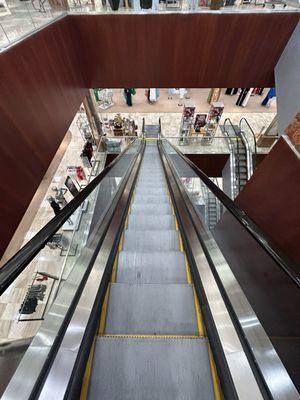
{"x": 241, "y": 163}
{"x": 151, "y": 309}
{"x": 153, "y": 323}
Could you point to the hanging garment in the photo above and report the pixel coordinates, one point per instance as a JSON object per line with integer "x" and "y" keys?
{"x": 271, "y": 93}
{"x": 231, "y": 91}
{"x": 96, "y": 93}
{"x": 146, "y": 4}
{"x": 152, "y": 95}
{"x": 242, "y": 96}
{"x": 247, "y": 97}
{"x": 136, "y": 5}
{"x": 182, "y": 93}
{"x": 80, "y": 174}
{"x": 214, "y": 95}
{"x": 171, "y": 91}
{"x": 127, "y": 93}
{"x": 155, "y": 4}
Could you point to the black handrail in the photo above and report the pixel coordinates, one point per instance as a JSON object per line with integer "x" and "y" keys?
{"x": 143, "y": 128}
{"x": 254, "y": 138}
{"x": 267, "y": 244}
{"x": 15, "y": 265}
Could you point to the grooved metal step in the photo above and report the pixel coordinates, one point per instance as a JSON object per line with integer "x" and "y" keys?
{"x": 151, "y": 199}
{"x": 151, "y": 209}
{"x": 151, "y": 240}
{"x": 151, "y": 309}
{"x": 151, "y": 267}
{"x": 147, "y": 222}
{"x": 151, "y": 369}
{"x": 147, "y": 190}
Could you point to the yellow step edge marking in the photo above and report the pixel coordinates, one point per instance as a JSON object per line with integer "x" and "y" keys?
{"x": 121, "y": 242}
{"x": 126, "y": 222}
{"x": 188, "y": 272}
{"x": 146, "y": 336}
{"x": 216, "y": 383}
{"x": 190, "y": 281}
{"x": 115, "y": 266}
{"x": 150, "y": 139}
{"x": 172, "y": 209}
{"x": 176, "y": 224}
{"x": 87, "y": 374}
{"x": 180, "y": 242}
{"x": 101, "y": 327}
{"x": 200, "y": 324}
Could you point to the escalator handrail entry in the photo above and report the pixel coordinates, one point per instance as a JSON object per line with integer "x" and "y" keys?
{"x": 254, "y": 139}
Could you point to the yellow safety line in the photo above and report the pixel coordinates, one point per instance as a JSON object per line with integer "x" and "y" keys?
{"x": 201, "y": 329}
{"x": 180, "y": 242}
{"x": 216, "y": 383}
{"x": 148, "y": 336}
{"x": 200, "y": 325}
{"x": 87, "y": 374}
{"x": 115, "y": 266}
{"x": 188, "y": 272}
{"x": 103, "y": 312}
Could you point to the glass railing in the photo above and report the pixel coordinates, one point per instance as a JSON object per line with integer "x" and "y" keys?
{"x": 253, "y": 273}
{"x": 156, "y": 6}
{"x": 198, "y": 187}
{"x": 20, "y": 18}
{"x": 201, "y": 144}
{"x": 62, "y": 252}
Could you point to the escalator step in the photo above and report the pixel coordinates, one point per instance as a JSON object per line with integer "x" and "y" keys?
{"x": 151, "y": 240}
{"x": 151, "y": 309}
{"x": 151, "y": 267}
{"x": 151, "y": 369}
{"x": 151, "y": 209}
{"x": 152, "y": 190}
{"x": 148, "y": 222}
{"x": 149, "y": 199}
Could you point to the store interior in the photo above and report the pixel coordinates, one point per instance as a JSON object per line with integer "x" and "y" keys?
{"x": 191, "y": 119}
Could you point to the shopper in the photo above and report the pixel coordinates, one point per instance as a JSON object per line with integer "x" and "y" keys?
{"x": 60, "y": 196}
{"x": 128, "y": 93}
{"x": 54, "y": 205}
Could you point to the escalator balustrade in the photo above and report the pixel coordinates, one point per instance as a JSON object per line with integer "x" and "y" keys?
{"x": 151, "y": 341}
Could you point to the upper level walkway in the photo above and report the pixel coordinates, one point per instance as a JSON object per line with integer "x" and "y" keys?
{"x": 19, "y": 18}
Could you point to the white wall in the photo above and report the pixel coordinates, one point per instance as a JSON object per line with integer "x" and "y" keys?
{"x": 287, "y": 79}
